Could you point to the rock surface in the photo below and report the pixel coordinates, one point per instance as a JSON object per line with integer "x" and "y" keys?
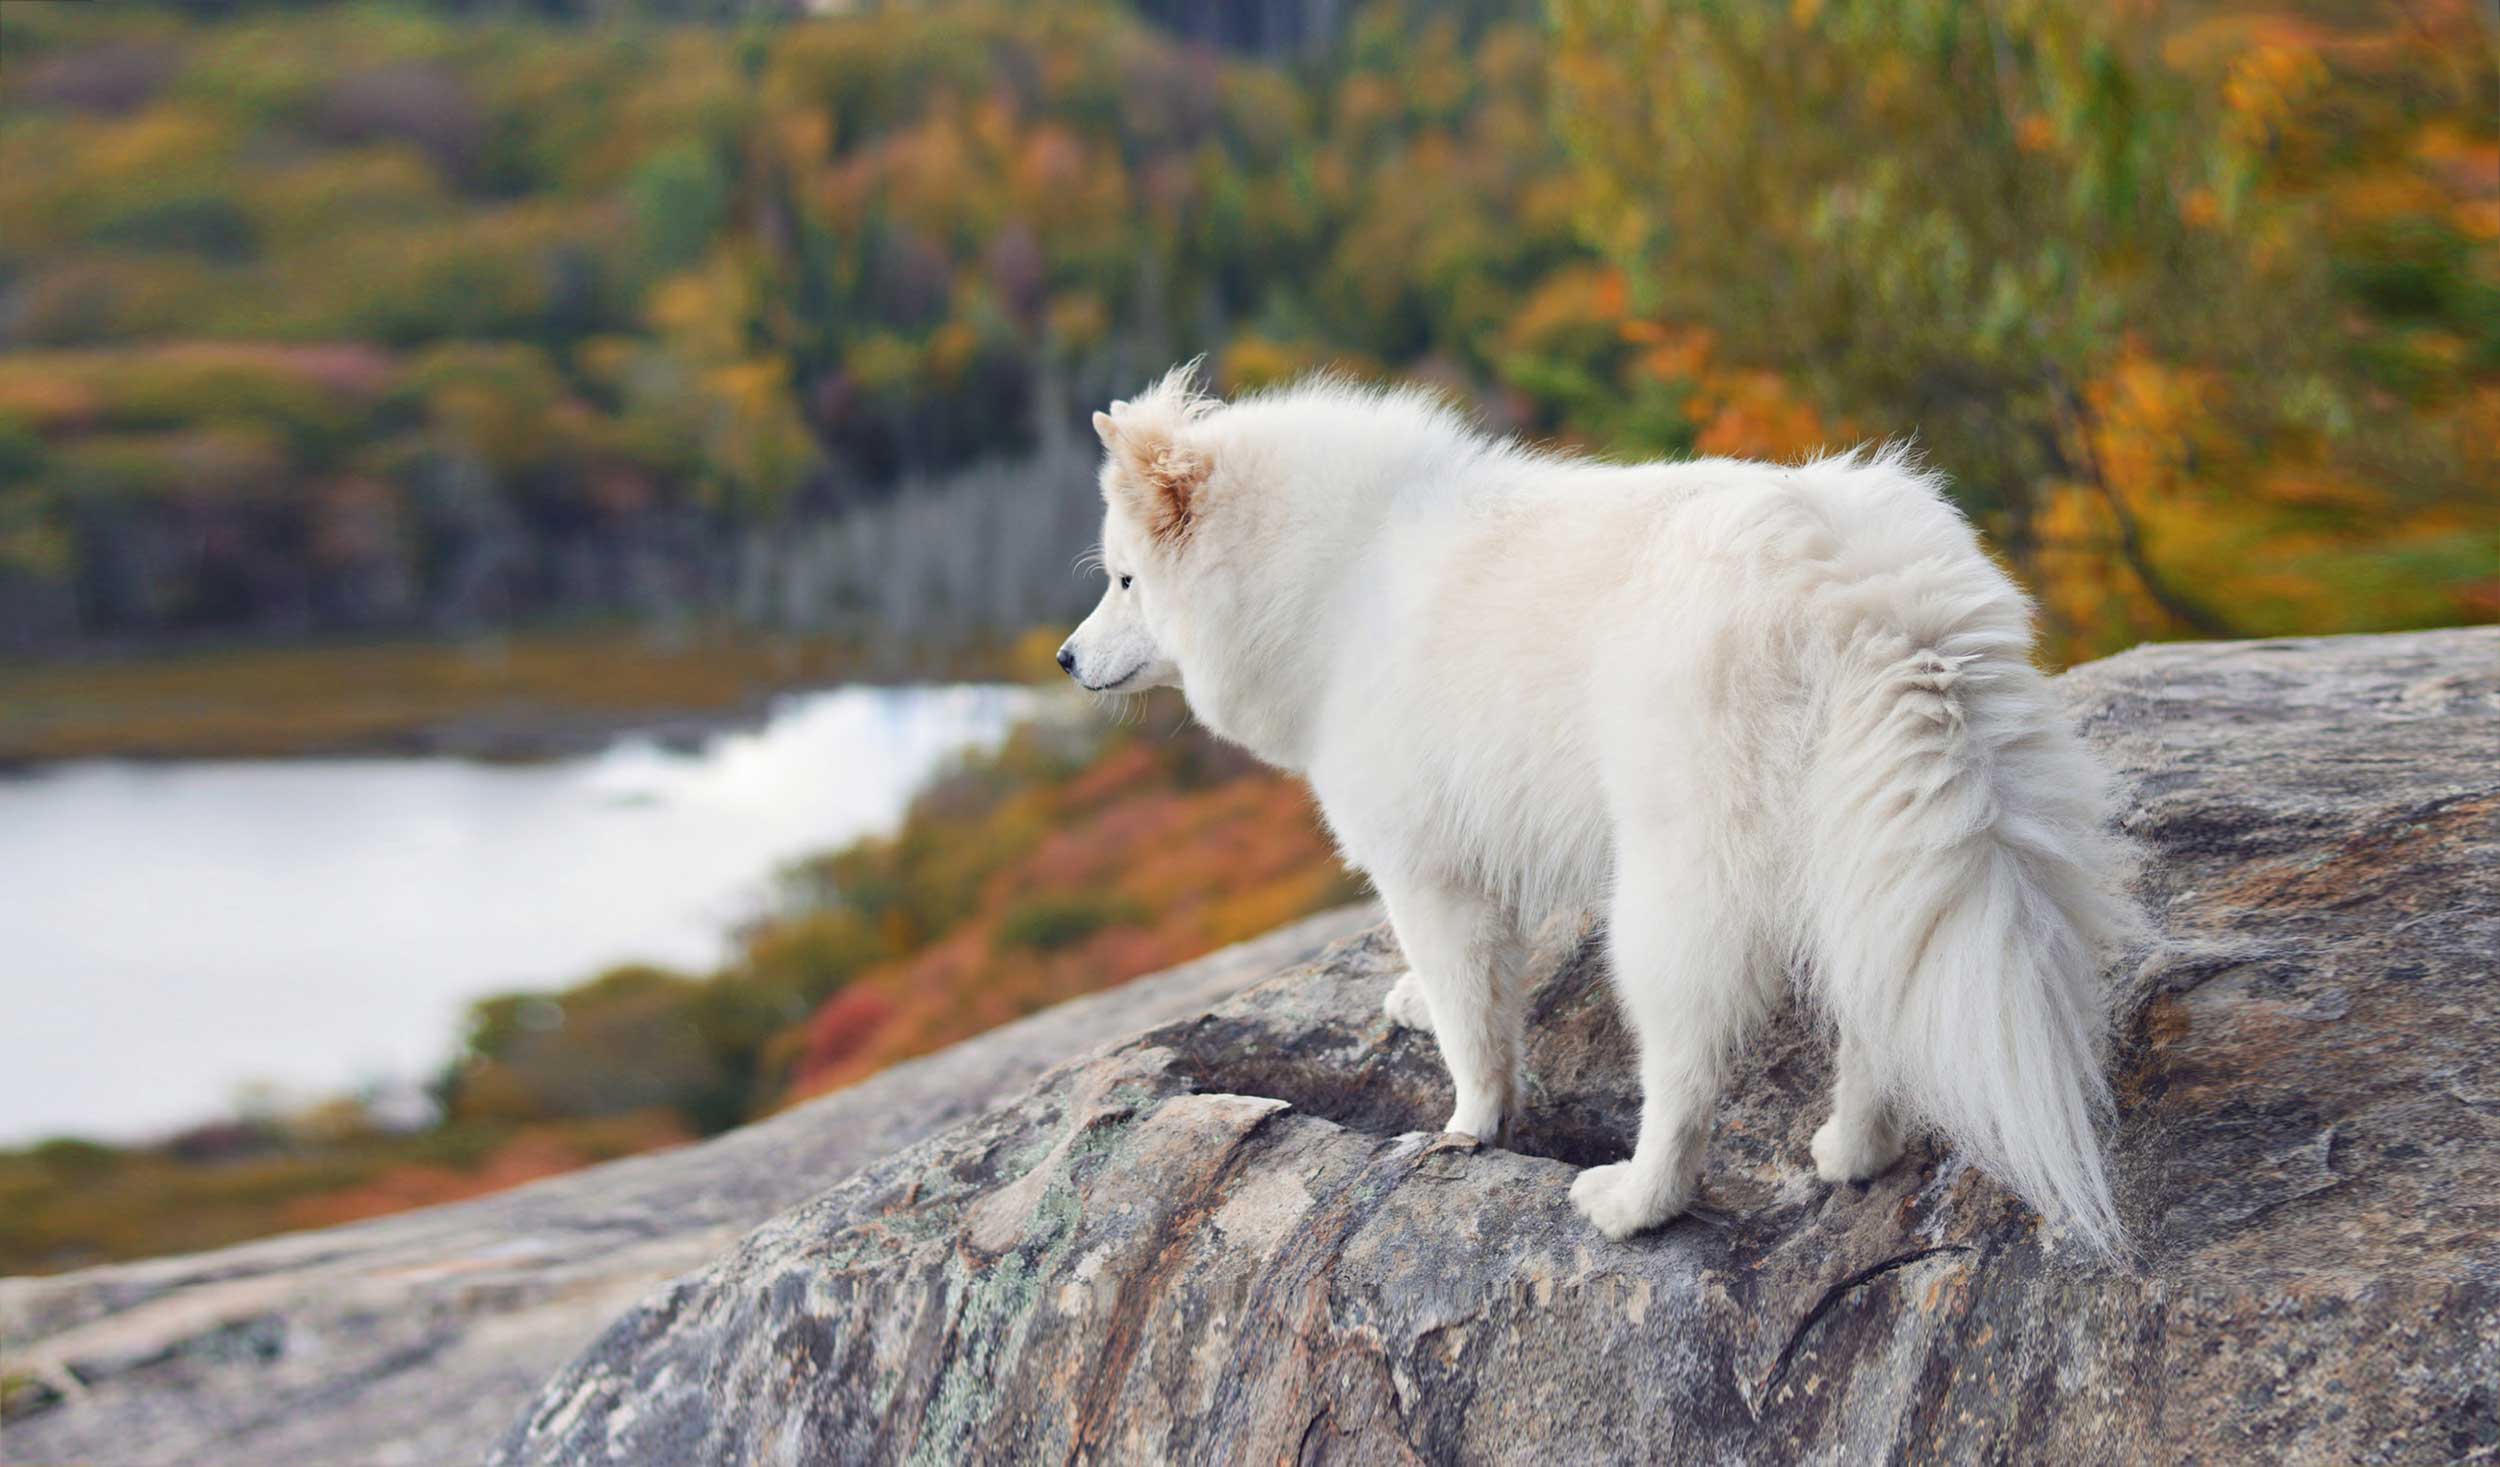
{"x": 1229, "y": 1239}
{"x": 417, "y": 1338}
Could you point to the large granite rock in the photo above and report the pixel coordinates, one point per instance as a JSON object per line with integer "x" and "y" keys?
{"x": 416, "y": 1339}
{"x": 1231, "y": 1238}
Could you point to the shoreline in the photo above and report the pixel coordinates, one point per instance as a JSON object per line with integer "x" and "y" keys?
{"x": 526, "y": 698}
{"x": 533, "y": 735}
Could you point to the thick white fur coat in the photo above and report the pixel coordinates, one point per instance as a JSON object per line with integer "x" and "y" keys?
{"x": 1770, "y": 720}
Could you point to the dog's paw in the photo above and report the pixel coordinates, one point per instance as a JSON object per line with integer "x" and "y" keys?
{"x": 1855, "y": 1152}
{"x": 1487, "y": 1120}
{"x": 1622, "y": 1203}
{"x": 1405, "y": 1004}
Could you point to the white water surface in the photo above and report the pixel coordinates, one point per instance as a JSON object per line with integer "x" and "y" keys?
{"x": 171, "y": 931}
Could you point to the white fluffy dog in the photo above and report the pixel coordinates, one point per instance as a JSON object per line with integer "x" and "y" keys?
{"x": 1769, "y": 718}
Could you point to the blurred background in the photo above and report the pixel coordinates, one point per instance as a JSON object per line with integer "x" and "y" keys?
{"x": 531, "y": 531}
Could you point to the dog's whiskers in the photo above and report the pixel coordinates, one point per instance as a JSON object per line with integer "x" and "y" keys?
{"x": 1122, "y": 709}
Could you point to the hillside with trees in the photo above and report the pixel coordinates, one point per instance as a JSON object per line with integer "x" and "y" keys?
{"x": 342, "y": 319}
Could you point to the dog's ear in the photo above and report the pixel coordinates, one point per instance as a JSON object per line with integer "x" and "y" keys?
{"x": 1161, "y": 478}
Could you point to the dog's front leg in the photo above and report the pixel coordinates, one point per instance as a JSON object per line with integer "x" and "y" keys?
{"x": 1467, "y": 955}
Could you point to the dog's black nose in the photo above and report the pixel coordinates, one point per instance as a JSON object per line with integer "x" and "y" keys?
{"x": 1067, "y": 662}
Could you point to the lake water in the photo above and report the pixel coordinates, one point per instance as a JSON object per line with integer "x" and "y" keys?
{"x": 170, "y": 931}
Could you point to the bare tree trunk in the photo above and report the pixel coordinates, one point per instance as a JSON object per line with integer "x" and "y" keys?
{"x": 2075, "y": 423}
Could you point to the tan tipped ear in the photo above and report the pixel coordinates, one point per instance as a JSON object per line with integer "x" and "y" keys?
{"x": 1105, "y": 429}
{"x": 1176, "y": 480}
{"x": 1161, "y": 481}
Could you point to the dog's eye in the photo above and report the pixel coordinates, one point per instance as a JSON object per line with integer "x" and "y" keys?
{"x": 1124, "y": 581}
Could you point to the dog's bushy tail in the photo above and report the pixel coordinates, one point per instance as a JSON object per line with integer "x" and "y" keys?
{"x": 1964, "y": 892}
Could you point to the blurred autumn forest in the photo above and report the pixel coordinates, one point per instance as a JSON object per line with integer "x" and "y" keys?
{"x": 347, "y": 318}
{"x": 367, "y": 320}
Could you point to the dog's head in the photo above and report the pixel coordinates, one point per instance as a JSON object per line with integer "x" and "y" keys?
{"x": 1157, "y": 478}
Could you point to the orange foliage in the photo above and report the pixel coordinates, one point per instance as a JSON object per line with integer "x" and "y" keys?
{"x": 1181, "y": 870}
{"x": 843, "y": 1026}
{"x": 1755, "y": 415}
{"x": 535, "y": 1152}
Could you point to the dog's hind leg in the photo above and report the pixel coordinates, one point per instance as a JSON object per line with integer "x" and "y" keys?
{"x": 1692, "y": 973}
{"x": 1466, "y": 953}
{"x": 1863, "y": 1136}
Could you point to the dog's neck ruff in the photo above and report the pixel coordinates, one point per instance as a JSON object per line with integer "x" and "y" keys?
{"x": 1267, "y": 716}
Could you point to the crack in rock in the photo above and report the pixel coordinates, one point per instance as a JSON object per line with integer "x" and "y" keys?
{"x": 1831, "y": 1299}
